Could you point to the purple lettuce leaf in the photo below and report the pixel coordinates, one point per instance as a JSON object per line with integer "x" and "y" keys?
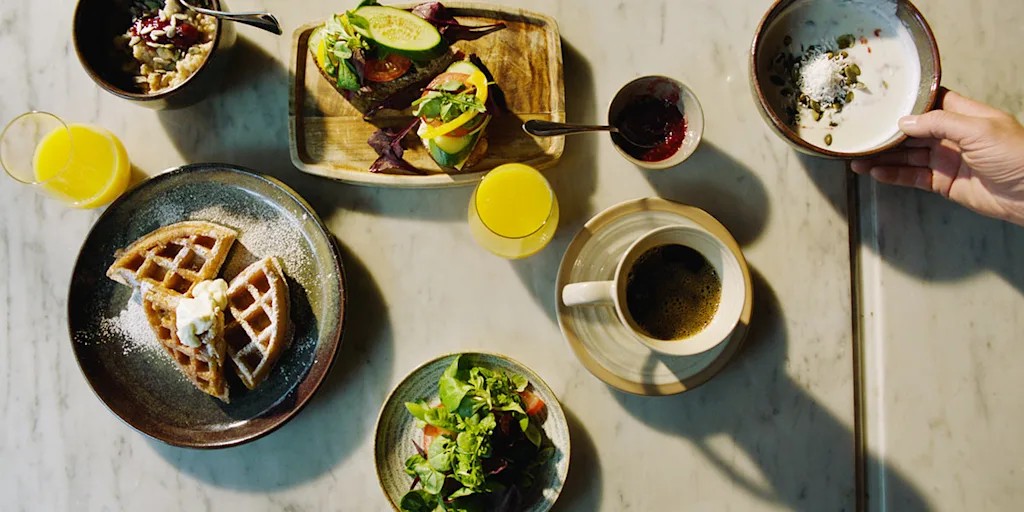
{"x": 388, "y": 146}
{"x": 439, "y": 16}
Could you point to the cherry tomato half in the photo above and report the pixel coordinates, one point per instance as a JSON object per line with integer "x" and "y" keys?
{"x": 388, "y": 69}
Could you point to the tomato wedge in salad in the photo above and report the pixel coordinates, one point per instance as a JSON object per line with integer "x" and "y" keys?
{"x": 431, "y": 432}
{"x": 532, "y": 402}
{"x": 387, "y": 69}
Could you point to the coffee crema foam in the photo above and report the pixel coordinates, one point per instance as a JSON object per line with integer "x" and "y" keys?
{"x": 672, "y": 292}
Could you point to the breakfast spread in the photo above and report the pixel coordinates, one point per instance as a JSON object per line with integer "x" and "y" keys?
{"x": 381, "y": 57}
{"x": 481, "y": 446}
{"x": 203, "y": 323}
{"x": 841, "y": 73}
{"x": 167, "y": 43}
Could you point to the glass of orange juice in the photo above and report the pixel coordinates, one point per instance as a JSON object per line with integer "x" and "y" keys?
{"x": 84, "y": 166}
{"x": 513, "y": 212}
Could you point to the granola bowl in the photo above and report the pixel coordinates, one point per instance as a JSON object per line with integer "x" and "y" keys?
{"x": 155, "y": 53}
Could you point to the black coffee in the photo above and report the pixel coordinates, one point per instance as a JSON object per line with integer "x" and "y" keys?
{"x": 672, "y": 292}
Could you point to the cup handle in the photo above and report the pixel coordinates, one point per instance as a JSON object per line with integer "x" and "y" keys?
{"x": 596, "y": 292}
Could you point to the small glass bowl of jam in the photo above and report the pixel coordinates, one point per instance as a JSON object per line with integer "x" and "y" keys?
{"x": 662, "y": 118}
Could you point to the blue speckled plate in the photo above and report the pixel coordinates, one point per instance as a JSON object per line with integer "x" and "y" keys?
{"x": 396, "y": 429}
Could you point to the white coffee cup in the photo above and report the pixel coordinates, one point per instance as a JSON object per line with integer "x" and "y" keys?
{"x": 718, "y": 255}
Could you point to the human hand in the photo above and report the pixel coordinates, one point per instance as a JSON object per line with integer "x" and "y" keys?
{"x": 969, "y": 152}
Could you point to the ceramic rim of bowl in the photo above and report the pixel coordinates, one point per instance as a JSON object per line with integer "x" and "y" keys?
{"x": 138, "y": 96}
{"x": 785, "y": 130}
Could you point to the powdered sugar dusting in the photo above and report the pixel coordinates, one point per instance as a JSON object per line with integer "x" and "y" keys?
{"x": 261, "y": 237}
{"x": 133, "y": 326}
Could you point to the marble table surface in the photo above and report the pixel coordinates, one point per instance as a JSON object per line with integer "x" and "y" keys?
{"x": 774, "y": 431}
{"x": 943, "y": 307}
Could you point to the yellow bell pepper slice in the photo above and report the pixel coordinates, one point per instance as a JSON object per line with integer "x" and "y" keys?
{"x": 477, "y": 80}
{"x": 322, "y": 52}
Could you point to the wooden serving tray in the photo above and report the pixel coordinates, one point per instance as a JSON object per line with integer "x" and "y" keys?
{"x": 328, "y": 135}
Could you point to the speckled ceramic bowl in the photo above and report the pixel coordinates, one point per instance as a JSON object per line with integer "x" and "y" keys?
{"x": 928, "y": 56}
{"x": 98, "y": 22}
{"x": 396, "y": 429}
{"x": 121, "y": 358}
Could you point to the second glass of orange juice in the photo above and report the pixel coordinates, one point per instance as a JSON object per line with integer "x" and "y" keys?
{"x": 513, "y": 212}
{"x": 83, "y": 165}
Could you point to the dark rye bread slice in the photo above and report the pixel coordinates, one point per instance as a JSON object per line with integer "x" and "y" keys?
{"x": 372, "y": 93}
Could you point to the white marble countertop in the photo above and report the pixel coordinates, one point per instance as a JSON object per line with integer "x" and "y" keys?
{"x": 773, "y": 432}
{"x": 943, "y": 307}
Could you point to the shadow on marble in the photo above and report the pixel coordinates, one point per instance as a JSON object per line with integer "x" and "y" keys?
{"x": 923, "y": 234}
{"x": 574, "y": 180}
{"x": 827, "y": 176}
{"x": 322, "y": 435}
{"x": 803, "y": 454}
{"x": 583, "y": 486}
{"x": 720, "y": 185}
{"x": 931, "y": 238}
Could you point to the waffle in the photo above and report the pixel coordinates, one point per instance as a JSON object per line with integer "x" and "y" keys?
{"x": 174, "y": 258}
{"x": 203, "y": 365}
{"x": 257, "y": 331}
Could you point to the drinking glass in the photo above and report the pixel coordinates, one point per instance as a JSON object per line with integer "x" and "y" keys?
{"x": 82, "y": 165}
{"x": 513, "y": 212}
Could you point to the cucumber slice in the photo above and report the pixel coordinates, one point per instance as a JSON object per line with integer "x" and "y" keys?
{"x": 454, "y": 151}
{"x": 401, "y": 32}
{"x": 463, "y": 66}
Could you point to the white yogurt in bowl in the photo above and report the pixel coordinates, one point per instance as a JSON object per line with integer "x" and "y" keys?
{"x": 806, "y": 54}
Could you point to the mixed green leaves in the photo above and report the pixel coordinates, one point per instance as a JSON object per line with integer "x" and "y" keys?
{"x": 488, "y": 448}
{"x": 344, "y": 50}
{"x": 447, "y": 101}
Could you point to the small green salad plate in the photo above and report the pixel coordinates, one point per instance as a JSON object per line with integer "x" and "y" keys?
{"x": 472, "y": 432}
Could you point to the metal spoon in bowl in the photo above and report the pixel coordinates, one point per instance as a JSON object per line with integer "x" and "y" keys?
{"x": 263, "y": 20}
{"x": 550, "y": 129}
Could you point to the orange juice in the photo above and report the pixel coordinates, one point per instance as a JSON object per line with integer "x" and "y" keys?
{"x": 84, "y": 165}
{"x": 514, "y": 212}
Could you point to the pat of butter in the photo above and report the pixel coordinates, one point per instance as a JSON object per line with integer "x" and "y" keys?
{"x": 197, "y": 315}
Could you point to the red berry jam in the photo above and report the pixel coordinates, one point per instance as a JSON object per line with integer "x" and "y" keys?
{"x": 651, "y": 121}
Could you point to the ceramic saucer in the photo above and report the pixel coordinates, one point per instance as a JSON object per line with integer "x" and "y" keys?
{"x": 600, "y": 341}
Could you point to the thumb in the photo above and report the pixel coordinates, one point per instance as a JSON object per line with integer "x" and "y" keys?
{"x": 943, "y": 124}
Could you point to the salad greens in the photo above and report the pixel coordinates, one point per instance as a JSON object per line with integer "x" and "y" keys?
{"x": 446, "y": 103}
{"x": 345, "y": 50}
{"x": 487, "y": 447}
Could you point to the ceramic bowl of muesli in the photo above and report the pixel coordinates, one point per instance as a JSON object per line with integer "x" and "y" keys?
{"x": 156, "y": 53}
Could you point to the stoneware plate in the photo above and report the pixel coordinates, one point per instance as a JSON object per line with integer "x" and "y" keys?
{"x": 121, "y": 358}
{"x": 595, "y": 334}
{"x": 396, "y": 429}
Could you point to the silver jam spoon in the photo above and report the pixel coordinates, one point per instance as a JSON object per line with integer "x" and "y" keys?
{"x": 540, "y": 128}
{"x": 263, "y": 20}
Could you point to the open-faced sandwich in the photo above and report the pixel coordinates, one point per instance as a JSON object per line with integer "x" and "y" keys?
{"x": 380, "y": 57}
{"x": 453, "y": 115}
